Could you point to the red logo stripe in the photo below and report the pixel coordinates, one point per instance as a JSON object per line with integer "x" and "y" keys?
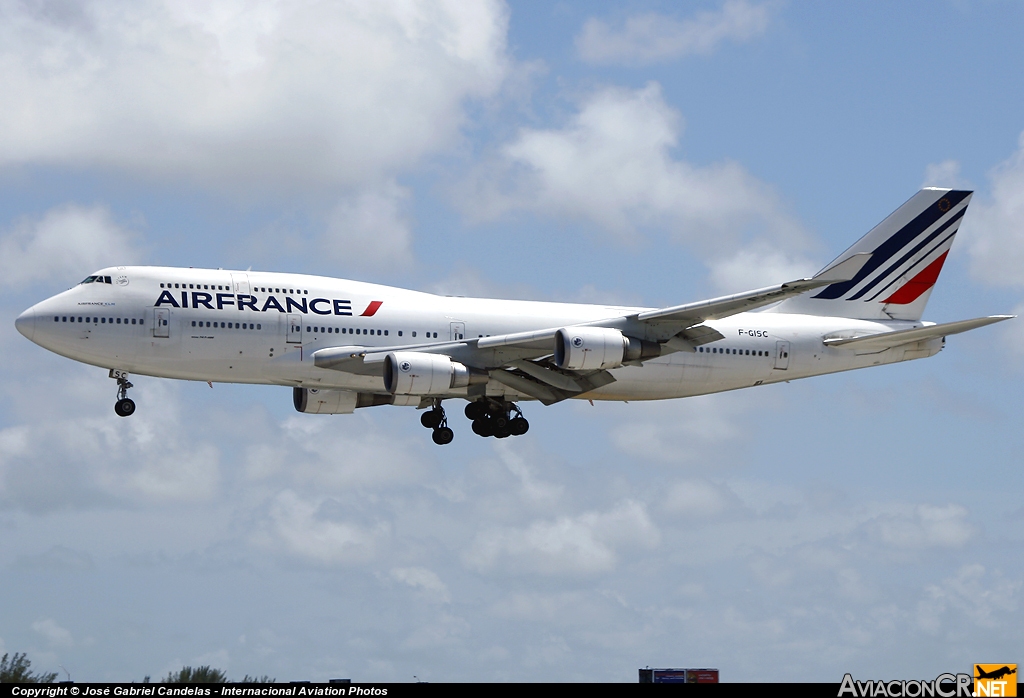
{"x": 925, "y": 279}
{"x": 372, "y": 308}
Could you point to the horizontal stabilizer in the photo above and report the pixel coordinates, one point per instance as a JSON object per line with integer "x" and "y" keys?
{"x": 887, "y": 340}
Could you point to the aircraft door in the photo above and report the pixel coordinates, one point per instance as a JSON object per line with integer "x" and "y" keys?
{"x": 240, "y": 283}
{"x": 458, "y": 331}
{"x": 294, "y": 329}
{"x": 782, "y": 355}
{"x": 161, "y": 322}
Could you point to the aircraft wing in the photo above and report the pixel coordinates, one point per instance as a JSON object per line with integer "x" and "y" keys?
{"x": 519, "y": 359}
{"x": 887, "y": 340}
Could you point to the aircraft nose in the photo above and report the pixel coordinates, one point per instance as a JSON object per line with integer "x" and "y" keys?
{"x": 26, "y": 323}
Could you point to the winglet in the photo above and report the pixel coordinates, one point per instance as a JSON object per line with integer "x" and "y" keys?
{"x": 845, "y": 270}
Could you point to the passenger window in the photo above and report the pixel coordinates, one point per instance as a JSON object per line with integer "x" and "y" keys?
{"x": 259, "y": 326}
{"x": 414, "y": 333}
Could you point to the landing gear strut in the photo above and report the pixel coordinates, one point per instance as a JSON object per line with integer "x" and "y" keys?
{"x": 435, "y": 419}
{"x": 498, "y": 418}
{"x": 125, "y": 406}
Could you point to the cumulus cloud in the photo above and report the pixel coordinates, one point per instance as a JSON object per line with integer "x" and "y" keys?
{"x": 320, "y": 529}
{"x": 927, "y": 526}
{"x": 974, "y": 595}
{"x": 612, "y": 165}
{"x": 53, "y": 633}
{"x": 994, "y": 227}
{"x": 570, "y": 545}
{"x": 698, "y": 498}
{"x": 237, "y": 95}
{"x": 758, "y": 265}
{"x": 652, "y": 37}
{"x": 371, "y": 226}
{"x": 682, "y": 431}
{"x": 85, "y": 461}
{"x": 64, "y": 243}
{"x": 423, "y": 580}
{"x": 944, "y": 174}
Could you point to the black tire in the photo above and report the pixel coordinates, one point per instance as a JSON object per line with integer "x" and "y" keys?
{"x": 502, "y": 433}
{"x": 443, "y": 436}
{"x": 483, "y": 427}
{"x": 518, "y": 426}
{"x": 475, "y": 410}
{"x": 500, "y": 422}
{"x": 124, "y": 408}
{"x": 432, "y": 419}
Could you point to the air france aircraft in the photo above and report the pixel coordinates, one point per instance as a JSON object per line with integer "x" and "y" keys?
{"x": 343, "y": 345}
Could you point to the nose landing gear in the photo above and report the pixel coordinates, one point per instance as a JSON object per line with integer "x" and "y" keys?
{"x": 435, "y": 419}
{"x": 125, "y": 406}
{"x": 495, "y": 418}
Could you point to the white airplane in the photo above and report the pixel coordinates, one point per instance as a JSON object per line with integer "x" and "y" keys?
{"x": 341, "y": 345}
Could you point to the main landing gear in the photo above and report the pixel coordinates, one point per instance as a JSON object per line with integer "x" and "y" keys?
{"x": 491, "y": 417}
{"x": 435, "y": 419}
{"x": 125, "y": 406}
{"x": 495, "y": 418}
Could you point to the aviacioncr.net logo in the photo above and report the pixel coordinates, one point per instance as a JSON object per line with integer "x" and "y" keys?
{"x": 943, "y": 686}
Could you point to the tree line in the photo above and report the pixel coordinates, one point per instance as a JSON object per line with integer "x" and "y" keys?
{"x": 17, "y": 668}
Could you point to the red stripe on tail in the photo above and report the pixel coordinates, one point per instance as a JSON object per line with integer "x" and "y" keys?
{"x": 912, "y": 290}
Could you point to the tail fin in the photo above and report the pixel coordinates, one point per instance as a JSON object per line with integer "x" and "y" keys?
{"x": 907, "y": 252}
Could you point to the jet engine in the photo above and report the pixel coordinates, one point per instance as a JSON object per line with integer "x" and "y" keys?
{"x": 595, "y": 348}
{"x": 418, "y": 373}
{"x": 324, "y": 401}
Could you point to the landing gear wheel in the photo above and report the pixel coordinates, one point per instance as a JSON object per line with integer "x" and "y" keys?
{"x": 483, "y": 427}
{"x": 518, "y": 426}
{"x": 476, "y": 410}
{"x": 432, "y": 419}
{"x": 502, "y": 432}
{"x": 443, "y": 436}
{"x": 125, "y": 407}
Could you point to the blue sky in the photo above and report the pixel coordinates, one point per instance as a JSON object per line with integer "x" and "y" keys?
{"x": 648, "y": 153}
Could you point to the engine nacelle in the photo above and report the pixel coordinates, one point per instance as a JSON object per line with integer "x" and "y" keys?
{"x": 589, "y": 348}
{"x": 418, "y": 373}
{"x": 324, "y": 400}
{"x": 595, "y": 348}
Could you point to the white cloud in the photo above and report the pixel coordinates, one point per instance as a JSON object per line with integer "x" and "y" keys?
{"x": 974, "y": 596}
{"x": 83, "y": 461}
{"x": 65, "y": 243}
{"x": 424, "y": 580}
{"x": 756, "y": 266}
{"x": 681, "y": 431}
{"x": 698, "y": 499}
{"x": 994, "y": 226}
{"x": 650, "y": 38}
{"x": 264, "y": 94}
{"x": 319, "y": 529}
{"x": 53, "y": 633}
{"x": 927, "y": 526}
{"x": 612, "y": 166}
{"x": 581, "y": 545}
{"x": 944, "y": 174}
{"x": 372, "y": 227}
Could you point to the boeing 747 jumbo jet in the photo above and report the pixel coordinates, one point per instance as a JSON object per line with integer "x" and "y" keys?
{"x": 341, "y": 345}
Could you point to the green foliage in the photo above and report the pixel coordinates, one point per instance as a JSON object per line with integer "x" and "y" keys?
{"x": 17, "y": 669}
{"x": 201, "y": 674}
{"x": 257, "y": 679}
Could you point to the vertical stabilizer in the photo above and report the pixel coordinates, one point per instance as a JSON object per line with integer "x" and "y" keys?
{"x": 907, "y": 252}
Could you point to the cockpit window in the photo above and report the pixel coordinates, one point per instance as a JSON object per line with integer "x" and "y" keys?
{"x": 91, "y": 279}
